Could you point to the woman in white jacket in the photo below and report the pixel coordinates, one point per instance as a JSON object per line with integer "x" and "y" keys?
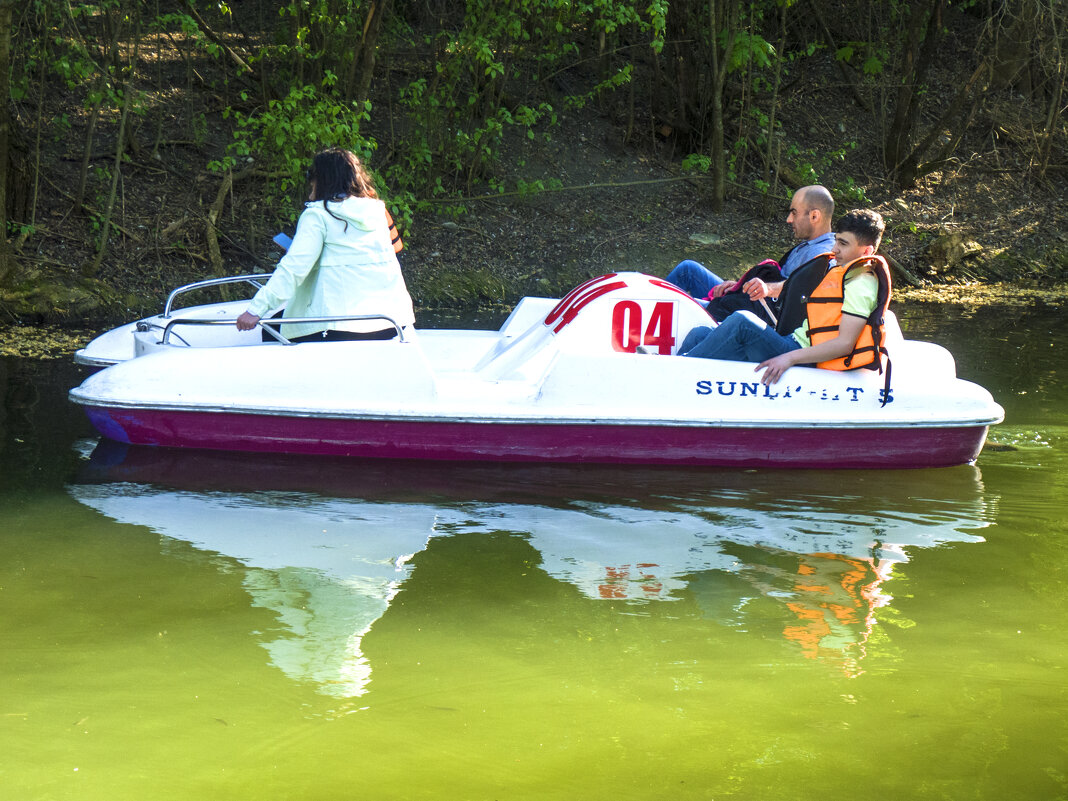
{"x": 341, "y": 261}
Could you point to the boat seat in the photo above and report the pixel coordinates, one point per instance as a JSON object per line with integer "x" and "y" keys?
{"x": 892, "y": 331}
{"x": 612, "y": 313}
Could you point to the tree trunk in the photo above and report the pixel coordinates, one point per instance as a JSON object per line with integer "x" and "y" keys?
{"x": 364, "y": 61}
{"x": 7, "y": 258}
{"x": 211, "y": 233}
{"x": 1056, "y": 96}
{"x": 1013, "y": 48}
{"x": 1054, "y": 108}
{"x": 946, "y": 126}
{"x": 919, "y": 53}
{"x": 296, "y": 8}
{"x": 771, "y": 152}
{"x": 93, "y": 268}
{"x": 843, "y": 70}
{"x": 214, "y": 253}
{"x": 718, "y": 17}
{"x": 90, "y": 131}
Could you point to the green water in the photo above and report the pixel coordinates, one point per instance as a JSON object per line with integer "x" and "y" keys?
{"x": 212, "y": 626}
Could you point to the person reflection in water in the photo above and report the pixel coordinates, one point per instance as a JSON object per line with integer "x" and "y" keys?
{"x": 827, "y": 602}
{"x": 835, "y": 601}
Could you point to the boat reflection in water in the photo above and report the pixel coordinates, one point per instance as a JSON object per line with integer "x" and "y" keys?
{"x": 328, "y": 543}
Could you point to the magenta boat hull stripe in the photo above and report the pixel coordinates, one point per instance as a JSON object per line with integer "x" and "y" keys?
{"x": 534, "y": 442}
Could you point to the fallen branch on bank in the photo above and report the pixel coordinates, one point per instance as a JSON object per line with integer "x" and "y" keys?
{"x": 212, "y": 231}
{"x": 901, "y": 271}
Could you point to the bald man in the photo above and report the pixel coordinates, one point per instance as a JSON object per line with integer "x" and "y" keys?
{"x": 811, "y": 211}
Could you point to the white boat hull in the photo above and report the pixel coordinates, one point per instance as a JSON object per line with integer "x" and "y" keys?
{"x": 559, "y": 382}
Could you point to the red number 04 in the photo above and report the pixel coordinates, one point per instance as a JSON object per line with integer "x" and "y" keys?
{"x": 627, "y": 333}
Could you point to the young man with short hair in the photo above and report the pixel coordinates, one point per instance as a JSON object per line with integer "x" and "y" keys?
{"x": 745, "y": 337}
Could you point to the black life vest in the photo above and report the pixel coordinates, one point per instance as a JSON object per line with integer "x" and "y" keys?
{"x": 796, "y": 291}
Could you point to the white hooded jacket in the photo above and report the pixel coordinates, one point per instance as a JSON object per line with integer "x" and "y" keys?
{"x": 338, "y": 267}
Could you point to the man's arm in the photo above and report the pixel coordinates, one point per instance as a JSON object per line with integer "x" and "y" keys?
{"x": 848, "y": 334}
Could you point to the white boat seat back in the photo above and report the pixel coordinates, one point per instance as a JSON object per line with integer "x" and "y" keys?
{"x": 892, "y": 335}
{"x": 617, "y": 313}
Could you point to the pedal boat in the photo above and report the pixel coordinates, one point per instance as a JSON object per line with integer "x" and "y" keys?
{"x": 591, "y": 377}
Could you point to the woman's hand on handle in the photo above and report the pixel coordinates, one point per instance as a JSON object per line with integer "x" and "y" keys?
{"x": 247, "y": 321}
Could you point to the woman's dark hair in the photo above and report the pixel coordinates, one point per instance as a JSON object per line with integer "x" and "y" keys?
{"x": 336, "y": 174}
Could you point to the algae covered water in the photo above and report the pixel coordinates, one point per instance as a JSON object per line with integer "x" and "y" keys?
{"x": 196, "y": 625}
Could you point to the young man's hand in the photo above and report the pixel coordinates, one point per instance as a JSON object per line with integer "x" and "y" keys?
{"x": 848, "y": 333}
{"x": 775, "y": 366}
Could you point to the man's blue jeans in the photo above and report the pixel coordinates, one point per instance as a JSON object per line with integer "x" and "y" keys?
{"x": 742, "y": 337}
{"x": 692, "y": 277}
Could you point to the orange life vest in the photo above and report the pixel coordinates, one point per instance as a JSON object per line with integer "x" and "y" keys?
{"x": 824, "y": 310}
{"x": 799, "y": 285}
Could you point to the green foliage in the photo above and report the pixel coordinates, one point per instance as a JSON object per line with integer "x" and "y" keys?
{"x": 850, "y": 192}
{"x": 283, "y": 137}
{"x": 61, "y": 127}
{"x": 621, "y": 77}
{"x": 697, "y": 162}
{"x": 455, "y": 82}
{"x": 538, "y": 186}
{"x": 872, "y": 56}
{"x": 20, "y": 229}
{"x": 749, "y": 49}
{"x": 657, "y": 23}
{"x": 481, "y": 88}
{"x": 72, "y": 63}
{"x": 814, "y": 167}
{"x": 199, "y": 127}
{"x": 191, "y": 29}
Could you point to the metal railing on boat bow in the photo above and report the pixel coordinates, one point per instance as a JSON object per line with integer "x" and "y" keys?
{"x": 268, "y": 324}
{"x": 232, "y": 279}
